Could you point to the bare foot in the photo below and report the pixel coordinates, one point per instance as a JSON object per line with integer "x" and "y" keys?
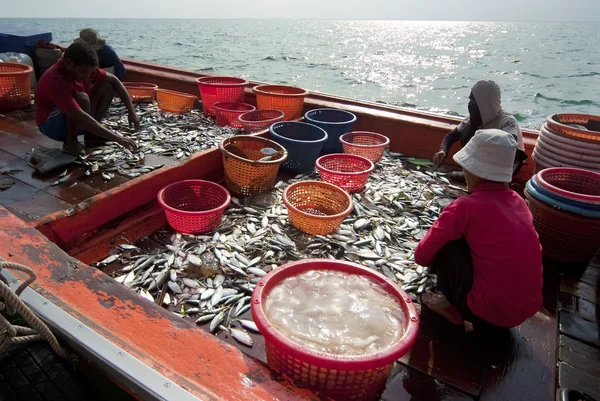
{"x": 440, "y": 305}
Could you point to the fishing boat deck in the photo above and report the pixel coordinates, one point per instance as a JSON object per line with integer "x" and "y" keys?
{"x": 32, "y": 195}
{"x": 444, "y": 364}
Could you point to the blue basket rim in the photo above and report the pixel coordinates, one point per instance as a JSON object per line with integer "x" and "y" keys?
{"x": 306, "y": 115}
{"x": 586, "y": 206}
{"x": 281, "y": 123}
{"x": 561, "y": 205}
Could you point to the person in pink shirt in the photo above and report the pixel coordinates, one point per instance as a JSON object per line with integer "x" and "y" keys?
{"x": 483, "y": 247}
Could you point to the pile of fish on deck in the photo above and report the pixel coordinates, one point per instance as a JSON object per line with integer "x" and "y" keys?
{"x": 161, "y": 133}
{"x": 211, "y": 278}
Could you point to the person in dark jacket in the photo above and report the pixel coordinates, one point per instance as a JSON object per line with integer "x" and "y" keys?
{"x": 107, "y": 57}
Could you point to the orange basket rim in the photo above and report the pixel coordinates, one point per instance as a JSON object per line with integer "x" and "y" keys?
{"x": 181, "y": 94}
{"x": 369, "y": 133}
{"x": 234, "y": 81}
{"x": 347, "y": 156}
{"x": 257, "y": 139}
{"x": 551, "y": 121}
{"x": 26, "y": 69}
{"x": 383, "y": 357}
{"x": 319, "y": 184}
{"x": 264, "y": 90}
{"x": 140, "y": 85}
{"x": 222, "y": 106}
{"x": 213, "y": 185}
{"x": 275, "y": 119}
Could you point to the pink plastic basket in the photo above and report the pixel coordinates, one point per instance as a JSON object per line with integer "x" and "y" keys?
{"x": 228, "y": 113}
{"x": 571, "y": 183}
{"x": 220, "y": 89}
{"x": 349, "y": 172}
{"x": 259, "y": 120}
{"x": 356, "y": 377}
{"x": 365, "y": 144}
{"x": 194, "y": 206}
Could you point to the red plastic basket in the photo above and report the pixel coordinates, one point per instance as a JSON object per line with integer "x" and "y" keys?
{"x": 15, "y": 86}
{"x": 572, "y": 183}
{"x": 365, "y": 144}
{"x": 194, "y": 206}
{"x": 140, "y": 92}
{"x": 349, "y": 172}
{"x": 288, "y": 99}
{"x": 220, "y": 89}
{"x": 345, "y": 377}
{"x": 315, "y": 207}
{"x": 259, "y": 120}
{"x": 565, "y": 237}
{"x": 175, "y": 102}
{"x": 228, "y": 113}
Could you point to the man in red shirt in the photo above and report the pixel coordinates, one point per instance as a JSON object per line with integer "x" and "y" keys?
{"x": 483, "y": 247}
{"x": 68, "y": 105}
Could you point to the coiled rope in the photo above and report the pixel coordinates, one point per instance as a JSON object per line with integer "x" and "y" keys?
{"x": 12, "y": 334}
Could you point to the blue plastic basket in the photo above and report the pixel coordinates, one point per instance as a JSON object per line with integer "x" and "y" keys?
{"x": 560, "y": 203}
{"x": 335, "y": 122}
{"x": 303, "y": 142}
{"x": 543, "y": 191}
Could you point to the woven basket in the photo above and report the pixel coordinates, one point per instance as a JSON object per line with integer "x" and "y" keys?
{"x": 175, "y": 102}
{"x": 349, "y": 172}
{"x": 288, "y": 99}
{"x": 245, "y": 175}
{"x": 140, "y": 92}
{"x": 316, "y": 207}
{"x": 15, "y": 86}
{"x": 558, "y": 123}
{"x": 565, "y": 237}
{"x": 366, "y": 144}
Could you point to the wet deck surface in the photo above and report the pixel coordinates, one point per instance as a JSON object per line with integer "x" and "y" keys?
{"x": 446, "y": 363}
{"x": 579, "y": 336}
{"x": 32, "y": 195}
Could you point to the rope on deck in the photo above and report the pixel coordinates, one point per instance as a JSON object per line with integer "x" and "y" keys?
{"x": 12, "y": 334}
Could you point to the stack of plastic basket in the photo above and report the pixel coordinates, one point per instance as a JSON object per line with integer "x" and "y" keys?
{"x": 565, "y": 203}
{"x": 569, "y": 140}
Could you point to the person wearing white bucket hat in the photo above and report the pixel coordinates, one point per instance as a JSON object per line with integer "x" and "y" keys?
{"x": 483, "y": 247}
{"x": 485, "y": 112}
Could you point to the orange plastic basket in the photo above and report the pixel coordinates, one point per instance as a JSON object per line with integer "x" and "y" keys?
{"x": 15, "y": 86}
{"x": 140, "y": 92}
{"x": 341, "y": 377}
{"x": 317, "y": 207}
{"x": 288, "y": 99}
{"x": 565, "y": 236}
{"x": 366, "y": 144}
{"x": 245, "y": 174}
{"x": 558, "y": 124}
{"x": 175, "y": 102}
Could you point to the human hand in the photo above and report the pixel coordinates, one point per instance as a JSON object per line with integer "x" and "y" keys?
{"x": 438, "y": 158}
{"x": 134, "y": 121}
{"x": 128, "y": 143}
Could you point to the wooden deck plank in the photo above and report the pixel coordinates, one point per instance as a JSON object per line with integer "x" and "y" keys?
{"x": 17, "y": 146}
{"x": 579, "y": 347}
{"x": 27, "y": 131}
{"x": 579, "y": 361}
{"x": 459, "y": 368}
{"x": 578, "y": 328}
{"x": 591, "y": 275}
{"x": 407, "y": 384}
{"x": 580, "y": 307}
{"x": 529, "y": 367}
{"x": 577, "y": 379}
{"x": 30, "y": 203}
{"x": 580, "y": 289}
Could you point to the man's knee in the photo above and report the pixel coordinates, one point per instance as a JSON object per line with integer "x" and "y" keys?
{"x": 105, "y": 89}
{"x": 83, "y": 100}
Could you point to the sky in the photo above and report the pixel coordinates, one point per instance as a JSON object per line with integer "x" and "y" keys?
{"x": 448, "y": 10}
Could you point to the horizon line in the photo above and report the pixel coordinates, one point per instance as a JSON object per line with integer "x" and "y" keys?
{"x": 300, "y": 19}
